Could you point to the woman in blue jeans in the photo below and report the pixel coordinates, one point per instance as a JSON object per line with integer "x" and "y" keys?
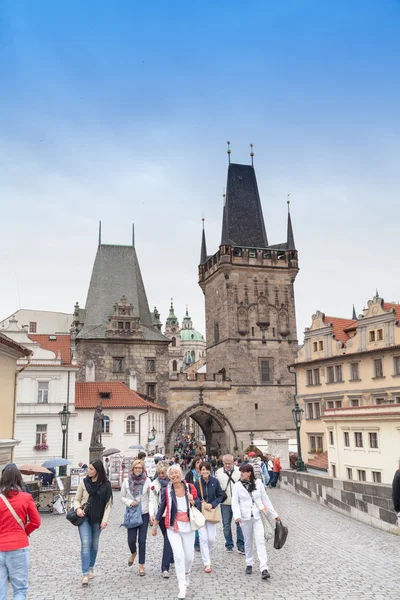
{"x": 16, "y": 507}
{"x": 93, "y": 501}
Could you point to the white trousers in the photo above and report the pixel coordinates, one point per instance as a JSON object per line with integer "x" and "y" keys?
{"x": 207, "y": 535}
{"x": 182, "y": 545}
{"x": 253, "y": 528}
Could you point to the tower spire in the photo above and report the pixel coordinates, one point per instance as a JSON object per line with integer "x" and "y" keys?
{"x": 354, "y": 317}
{"x": 133, "y": 235}
{"x": 203, "y": 252}
{"x": 252, "y": 155}
{"x": 229, "y": 152}
{"x": 290, "y": 236}
{"x": 99, "y": 233}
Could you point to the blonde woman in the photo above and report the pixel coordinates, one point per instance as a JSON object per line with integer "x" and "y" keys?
{"x": 176, "y": 498}
{"x": 157, "y": 486}
{"x": 136, "y": 489}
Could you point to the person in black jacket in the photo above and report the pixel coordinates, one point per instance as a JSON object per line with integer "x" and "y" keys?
{"x": 396, "y": 491}
{"x": 209, "y": 496}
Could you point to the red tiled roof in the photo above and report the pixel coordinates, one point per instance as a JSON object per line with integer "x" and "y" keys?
{"x": 389, "y": 305}
{"x": 6, "y": 341}
{"x": 87, "y": 395}
{"x": 319, "y": 462}
{"x": 339, "y": 327}
{"x": 62, "y": 343}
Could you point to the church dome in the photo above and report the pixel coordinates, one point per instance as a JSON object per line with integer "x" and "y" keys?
{"x": 191, "y": 335}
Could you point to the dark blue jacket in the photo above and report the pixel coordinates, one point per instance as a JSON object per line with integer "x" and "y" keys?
{"x": 169, "y": 503}
{"x": 212, "y": 492}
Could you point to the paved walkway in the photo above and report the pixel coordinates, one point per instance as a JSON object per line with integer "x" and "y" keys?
{"x": 326, "y": 557}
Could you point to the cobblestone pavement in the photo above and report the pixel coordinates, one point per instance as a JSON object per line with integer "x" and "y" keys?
{"x": 326, "y": 557}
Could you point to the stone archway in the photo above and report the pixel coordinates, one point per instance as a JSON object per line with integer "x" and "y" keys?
{"x": 219, "y": 433}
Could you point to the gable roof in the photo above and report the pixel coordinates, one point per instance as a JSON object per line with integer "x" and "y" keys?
{"x": 389, "y": 305}
{"x": 116, "y": 273}
{"x": 243, "y": 221}
{"x": 339, "y": 327}
{"x": 87, "y": 395}
{"x": 61, "y": 344}
{"x": 6, "y": 341}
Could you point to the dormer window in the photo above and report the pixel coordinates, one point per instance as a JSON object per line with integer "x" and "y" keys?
{"x": 252, "y": 253}
{"x": 372, "y": 336}
{"x": 120, "y": 324}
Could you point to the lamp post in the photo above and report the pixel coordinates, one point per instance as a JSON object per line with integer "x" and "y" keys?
{"x": 297, "y": 414}
{"x": 251, "y": 439}
{"x": 64, "y": 415}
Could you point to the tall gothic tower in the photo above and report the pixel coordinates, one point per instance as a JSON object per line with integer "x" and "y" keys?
{"x": 249, "y": 297}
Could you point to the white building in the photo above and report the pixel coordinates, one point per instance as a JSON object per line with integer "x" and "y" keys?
{"x": 45, "y": 383}
{"x": 129, "y": 420}
{"x": 39, "y": 321}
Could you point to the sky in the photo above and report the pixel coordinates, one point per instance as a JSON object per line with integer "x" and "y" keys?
{"x": 120, "y": 112}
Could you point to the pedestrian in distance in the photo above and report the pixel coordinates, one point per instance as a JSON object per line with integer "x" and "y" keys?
{"x": 93, "y": 501}
{"x": 16, "y": 508}
{"x": 270, "y": 468}
{"x": 135, "y": 490}
{"x": 158, "y": 484}
{"x": 209, "y": 497}
{"x": 227, "y": 476}
{"x": 176, "y": 499}
{"x": 276, "y": 470}
{"x": 249, "y": 498}
{"x": 259, "y": 468}
{"x": 396, "y": 492}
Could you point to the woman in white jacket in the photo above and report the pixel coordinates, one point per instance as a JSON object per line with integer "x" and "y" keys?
{"x": 136, "y": 489}
{"x": 248, "y": 499}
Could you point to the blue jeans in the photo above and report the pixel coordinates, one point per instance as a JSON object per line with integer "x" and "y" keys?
{"x": 140, "y": 532}
{"x": 275, "y": 477}
{"x": 89, "y": 534}
{"x": 227, "y": 515}
{"x": 14, "y": 566}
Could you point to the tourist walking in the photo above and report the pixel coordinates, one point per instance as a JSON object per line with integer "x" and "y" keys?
{"x": 270, "y": 468}
{"x": 192, "y": 476}
{"x": 176, "y": 498}
{"x": 227, "y": 476}
{"x": 248, "y": 499}
{"x": 135, "y": 490}
{"x": 209, "y": 497}
{"x": 93, "y": 501}
{"x": 276, "y": 470}
{"x": 259, "y": 468}
{"x": 396, "y": 492}
{"x": 157, "y": 485}
{"x": 16, "y": 508}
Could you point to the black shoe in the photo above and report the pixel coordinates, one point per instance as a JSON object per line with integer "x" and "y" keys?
{"x": 249, "y": 570}
{"x": 265, "y": 574}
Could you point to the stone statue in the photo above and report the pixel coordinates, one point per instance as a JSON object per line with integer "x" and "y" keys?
{"x": 97, "y": 427}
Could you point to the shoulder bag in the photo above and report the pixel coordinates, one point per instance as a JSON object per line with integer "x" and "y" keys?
{"x": 213, "y": 515}
{"x": 12, "y": 511}
{"x": 133, "y": 516}
{"x": 73, "y": 518}
{"x": 281, "y": 533}
{"x": 196, "y": 518}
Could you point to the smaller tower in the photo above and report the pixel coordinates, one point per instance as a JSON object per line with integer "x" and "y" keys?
{"x": 290, "y": 236}
{"x": 187, "y": 322}
{"x": 203, "y": 252}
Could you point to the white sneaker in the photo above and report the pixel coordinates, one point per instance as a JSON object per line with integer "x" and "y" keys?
{"x": 187, "y": 580}
{"x": 165, "y": 574}
{"x": 182, "y": 590}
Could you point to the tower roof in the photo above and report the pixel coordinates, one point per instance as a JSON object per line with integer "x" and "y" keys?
{"x": 116, "y": 273}
{"x": 172, "y": 318}
{"x": 243, "y": 221}
{"x": 203, "y": 253}
{"x": 290, "y": 236}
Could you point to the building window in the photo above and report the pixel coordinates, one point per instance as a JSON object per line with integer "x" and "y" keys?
{"x": 346, "y": 436}
{"x": 315, "y": 346}
{"x": 330, "y": 375}
{"x": 43, "y": 392}
{"x": 331, "y": 438}
{"x": 338, "y": 373}
{"x": 120, "y": 324}
{"x": 309, "y": 377}
{"x": 315, "y": 443}
{"x": 358, "y": 438}
{"x": 265, "y": 371}
{"x": 378, "y": 367}
{"x": 151, "y": 390}
{"x": 354, "y": 402}
{"x": 173, "y": 340}
{"x": 373, "y": 439}
{"x": 216, "y": 333}
{"x": 313, "y": 410}
{"x": 174, "y": 365}
{"x": 105, "y": 428}
{"x": 150, "y": 365}
{"x": 372, "y": 336}
{"x": 320, "y": 346}
{"x": 361, "y": 475}
{"x": 349, "y": 474}
{"x": 127, "y": 325}
{"x": 396, "y": 365}
{"x": 317, "y": 410}
{"x": 41, "y": 434}
{"x": 313, "y": 377}
{"x": 379, "y": 335}
{"x": 252, "y": 332}
{"x": 333, "y": 467}
{"x": 354, "y": 371}
{"x": 316, "y": 376}
{"x": 80, "y": 437}
{"x": 130, "y": 424}
{"x": 379, "y": 401}
{"x": 376, "y": 476}
{"x": 333, "y": 404}
{"x": 118, "y": 364}
{"x": 32, "y": 327}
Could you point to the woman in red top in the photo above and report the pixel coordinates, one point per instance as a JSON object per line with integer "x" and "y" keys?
{"x": 14, "y": 531}
{"x": 277, "y": 470}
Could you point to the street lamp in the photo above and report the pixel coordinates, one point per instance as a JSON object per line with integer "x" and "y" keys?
{"x": 251, "y": 439}
{"x": 153, "y": 432}
{"x": 297, "y": 414}
{"x": 64, "y": 415}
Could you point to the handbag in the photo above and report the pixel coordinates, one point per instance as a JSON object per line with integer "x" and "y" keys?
{"x": 133, "y": 516}
{"x": 197, "y": 520}
{"x": 281, "y": 533}
{"x": 73, "y": 518}
{"x": 268, "y": 529}
{"x": 213, "y": 515}
{"x": 12, "y": 511}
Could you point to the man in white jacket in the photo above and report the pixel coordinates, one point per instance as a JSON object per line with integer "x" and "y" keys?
{"x": 248, "y": 499}
{"x": 227, "y": 476}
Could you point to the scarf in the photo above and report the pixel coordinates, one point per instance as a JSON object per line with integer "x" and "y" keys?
{"x": 250, "y": 487}
{"x": 99, "y": 496}
{"x": 136, "y": 483}
{"x": 163, "y": 483}
{"x": 196, "y": 476}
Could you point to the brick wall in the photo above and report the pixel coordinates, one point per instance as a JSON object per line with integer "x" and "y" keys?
{"x": 366, "y": 502}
